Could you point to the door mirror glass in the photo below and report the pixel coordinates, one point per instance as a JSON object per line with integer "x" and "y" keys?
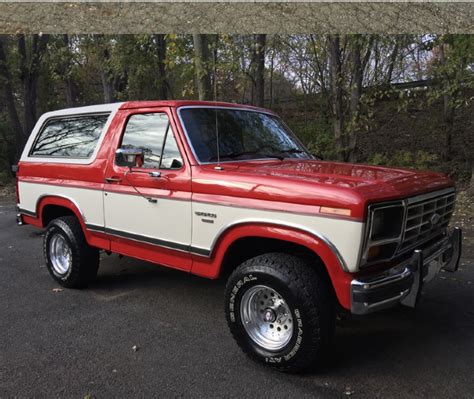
{"x": 130, "y": 157}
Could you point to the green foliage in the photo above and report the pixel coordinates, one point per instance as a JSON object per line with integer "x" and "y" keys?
{"x": 453, "y": 69}
{"x": 297, "y": 84}
{"x": 420, "y": 160}
{"x": 323, "y": 146}
{"x": 316, "y": 133}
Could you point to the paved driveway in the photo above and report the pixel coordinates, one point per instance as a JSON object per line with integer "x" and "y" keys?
{"x": 76, "y": 343}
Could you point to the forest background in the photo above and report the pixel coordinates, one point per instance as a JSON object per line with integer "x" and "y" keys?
{"x": 397, "y": 100}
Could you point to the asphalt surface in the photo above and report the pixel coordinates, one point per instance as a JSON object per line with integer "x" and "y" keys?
{"x": 75, "y": 343}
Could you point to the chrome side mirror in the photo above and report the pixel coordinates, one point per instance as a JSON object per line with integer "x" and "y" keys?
{"x": 130, "y": 157}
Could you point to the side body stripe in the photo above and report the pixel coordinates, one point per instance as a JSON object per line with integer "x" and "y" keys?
{"x": 339, "y": 234}
{"x": 149, "y": 240}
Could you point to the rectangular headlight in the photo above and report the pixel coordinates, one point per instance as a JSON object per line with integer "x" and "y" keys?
{"x": 386, "y": 223}
{"x": 384, "y": 231}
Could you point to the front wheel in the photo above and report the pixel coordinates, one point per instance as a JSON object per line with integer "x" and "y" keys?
{"x": 280, "y": 311}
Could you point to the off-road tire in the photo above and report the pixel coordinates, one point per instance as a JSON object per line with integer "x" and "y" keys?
{"x": 309, "y": 297}
{"x": 85, "y": 259}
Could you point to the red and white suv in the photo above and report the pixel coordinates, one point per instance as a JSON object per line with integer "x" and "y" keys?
{"x": 220, "y": 189}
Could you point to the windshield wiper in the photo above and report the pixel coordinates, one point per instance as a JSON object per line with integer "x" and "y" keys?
{"x": 234, "y": 155}
{"x": 278, "y": 154}
{"x": 293, "y": 151}
{"x": 298, "y": 151}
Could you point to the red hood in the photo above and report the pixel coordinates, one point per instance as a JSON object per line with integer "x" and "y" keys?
{"x": 373, "y": 181}
{"x": 318, "y": 182}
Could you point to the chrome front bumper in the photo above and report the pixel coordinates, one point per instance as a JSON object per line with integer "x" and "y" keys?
{"x": 402, "y": 284}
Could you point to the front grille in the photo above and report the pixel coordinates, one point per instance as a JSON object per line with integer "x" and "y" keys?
{"x": 419, "y": 226}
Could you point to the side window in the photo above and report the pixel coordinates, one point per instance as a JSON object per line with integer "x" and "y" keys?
{"x": 69, "y": 137}
{"x": 149, "y": 132}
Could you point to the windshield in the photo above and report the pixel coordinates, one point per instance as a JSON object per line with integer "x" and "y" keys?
{"x": 242, "y": 135}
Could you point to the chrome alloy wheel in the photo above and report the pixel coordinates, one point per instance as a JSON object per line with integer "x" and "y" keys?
{"x": 266, "y": 317}
{"x": 60, "y": 254}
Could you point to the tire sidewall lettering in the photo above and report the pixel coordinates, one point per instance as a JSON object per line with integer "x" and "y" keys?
{"x": 238, "y": 285}
{"x": 297, "y": 344}
{"x": 233, "y": 303}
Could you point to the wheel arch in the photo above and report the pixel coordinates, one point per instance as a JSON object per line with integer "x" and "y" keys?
{"x": 50, "y": 207}
{"x": 242, "y": 238}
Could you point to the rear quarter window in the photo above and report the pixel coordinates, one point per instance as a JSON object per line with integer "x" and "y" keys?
{"x": 69, "y": 137}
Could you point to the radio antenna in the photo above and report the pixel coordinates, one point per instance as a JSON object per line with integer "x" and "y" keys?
{"x": 218, "y": 167}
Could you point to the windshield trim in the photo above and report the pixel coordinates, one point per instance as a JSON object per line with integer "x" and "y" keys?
{"x": 259, "y": 111}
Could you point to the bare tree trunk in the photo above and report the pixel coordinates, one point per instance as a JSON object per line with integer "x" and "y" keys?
{"x": 161, "y": 53}
{"x": 272, "y": 60}
{"x": 29, "y": 70}
{"x": 393, "y": 59}
{"x": 471, "y": 184}
{"x": 260, "y": 70}
{"x": 336, "y": 92}
{"x": 448, "y": 110}
{"x": 376, "y": 62}
{"x": 215, "y": 82}
{"x": 120, "y": 82}
{"x": 356, "y": 93}
{"x": 71, "y": 89}
{"x": 71, "y": 92}
{"x": 201, "y": 62}
{"x": 320, "y": 65}
{"x": 6, "y": 80}
{"x": 105, "y": 73}
{"x": 107, "y": 86}
{"x": 251, "y": 73}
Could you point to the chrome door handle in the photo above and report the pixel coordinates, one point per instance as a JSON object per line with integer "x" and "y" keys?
{"x": 113, "y": 179}
{"x": 155, "y": 174}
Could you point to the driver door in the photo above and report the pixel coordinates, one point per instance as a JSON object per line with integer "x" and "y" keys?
{"x": 148, "y": 208}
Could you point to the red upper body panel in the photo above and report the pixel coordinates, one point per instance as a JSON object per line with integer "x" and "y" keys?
{"x": 311, "y": 182}
{"x": 290, "y": 181}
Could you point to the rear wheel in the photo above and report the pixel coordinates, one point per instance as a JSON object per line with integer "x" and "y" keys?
{"x": 70, "y": 260}
{"x": 280, "y": 311}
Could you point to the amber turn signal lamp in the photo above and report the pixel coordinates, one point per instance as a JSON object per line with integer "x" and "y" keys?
{"x": 373, "y": 252}
{"x": 335, "y": 211}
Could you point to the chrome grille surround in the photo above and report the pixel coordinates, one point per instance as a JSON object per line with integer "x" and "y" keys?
{"x": 426, "y": 216}
{"x": 417, "y": 226}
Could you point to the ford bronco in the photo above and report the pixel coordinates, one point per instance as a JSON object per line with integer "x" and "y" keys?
{"x": 226, "y": 190}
